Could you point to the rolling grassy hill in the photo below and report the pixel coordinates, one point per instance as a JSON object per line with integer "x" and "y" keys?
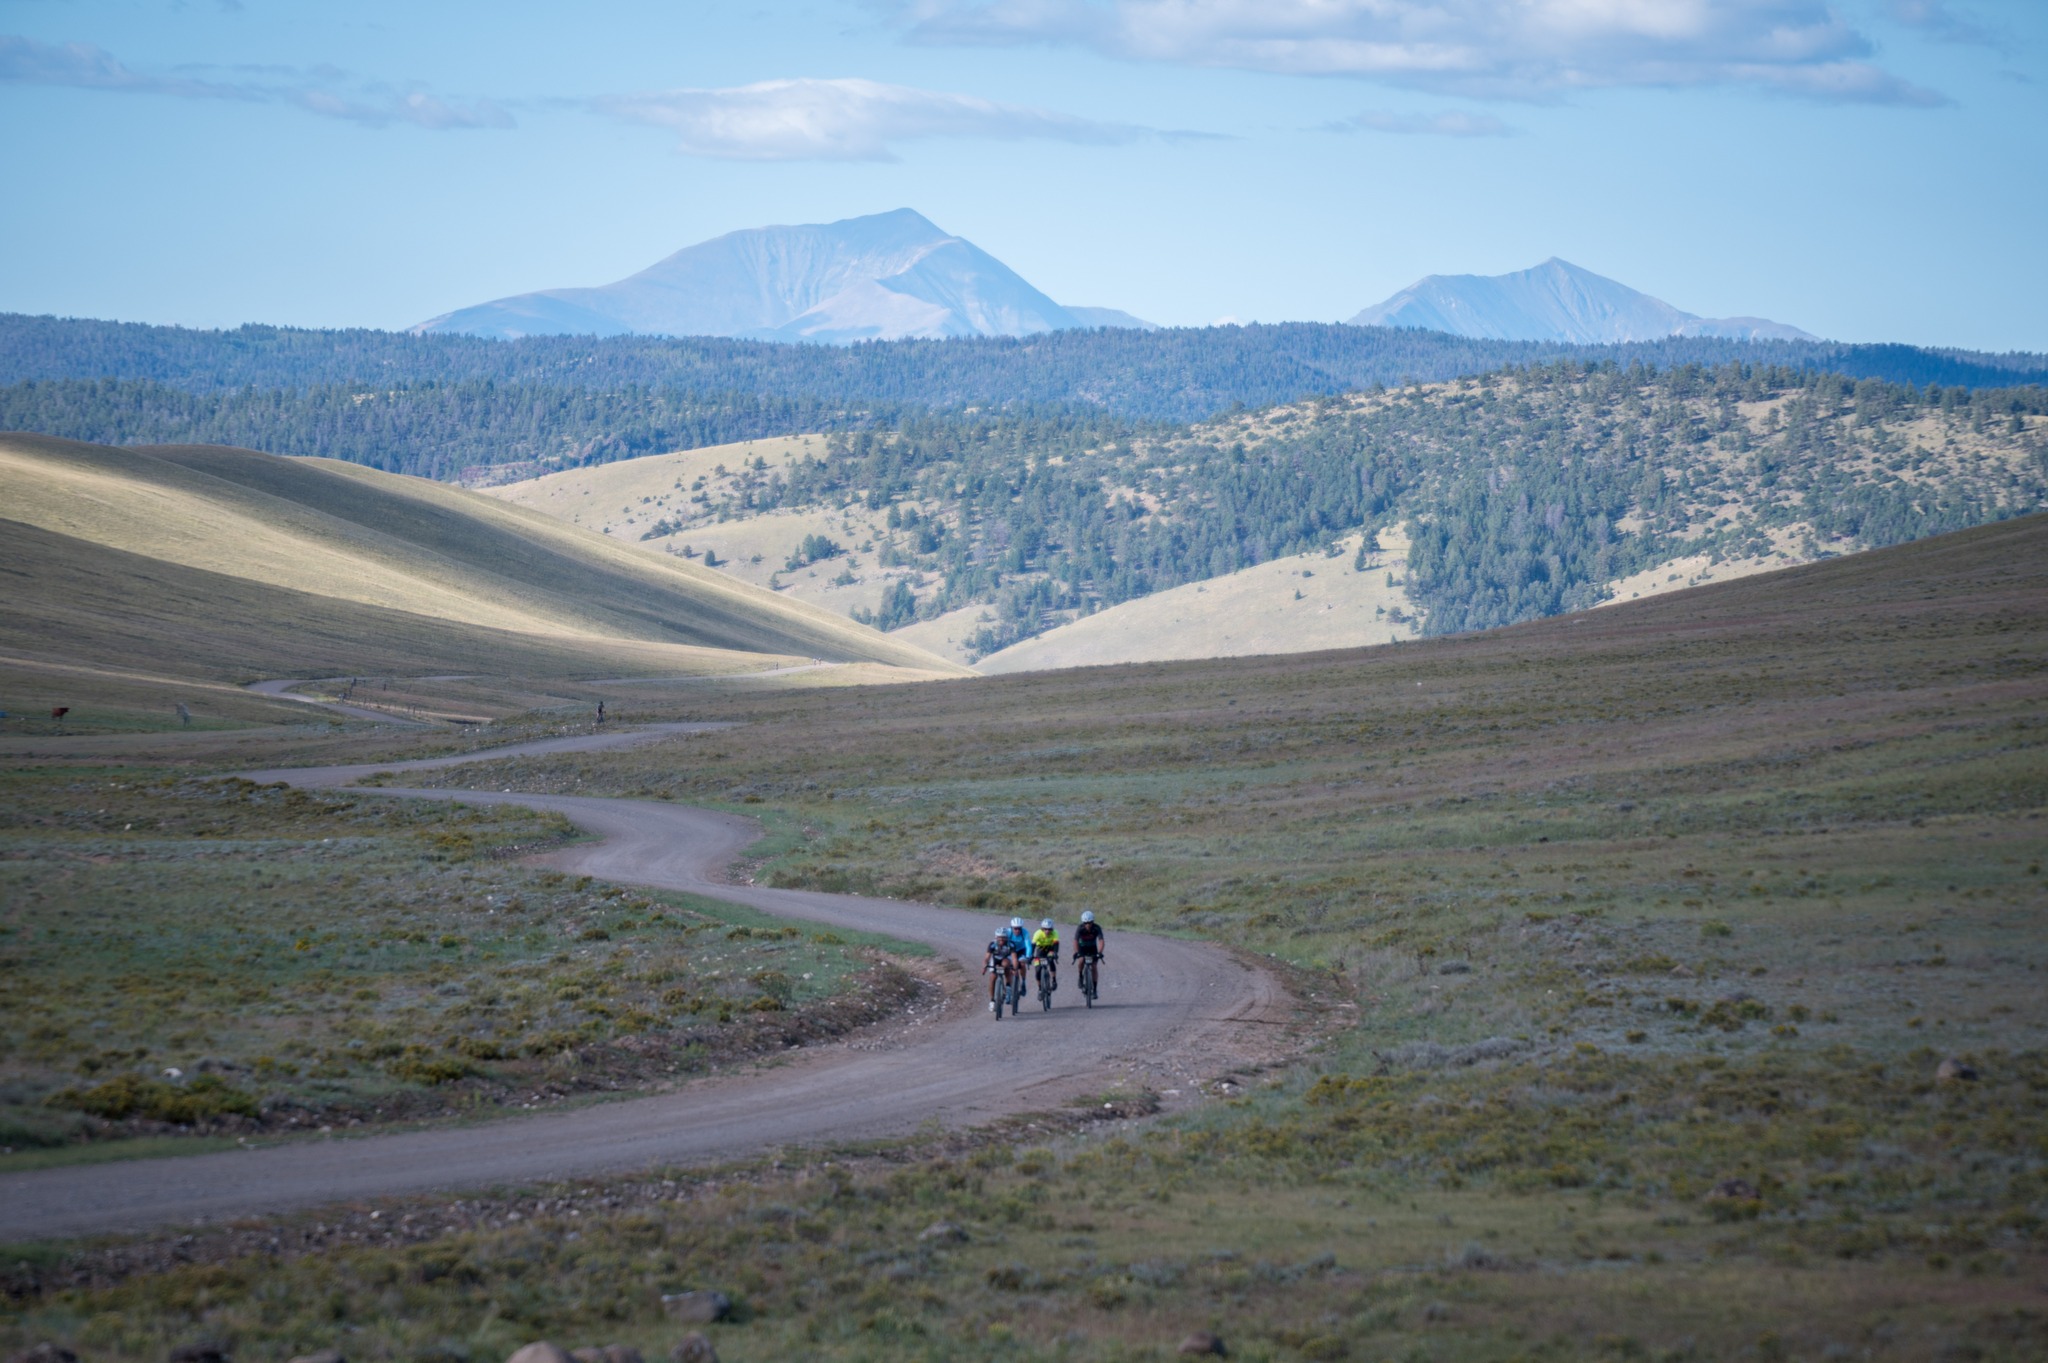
{"x": 1304, "y": 603}
{"x": 665, "y": 502}
{"x": 227, "y": 565}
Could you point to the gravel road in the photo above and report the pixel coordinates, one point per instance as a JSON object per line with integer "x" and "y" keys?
{"x": 1171, "y": 1013}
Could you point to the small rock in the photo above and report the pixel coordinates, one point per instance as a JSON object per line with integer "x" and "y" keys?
{"x": 1436, "y": 1310}
{"x": 696, "y": 1308}
{"x": 204, "y": 1351}
{"x": 46, "y": 1352}
{"x": 322, "y": 1356}
{"x": 1954, "y": 1071}
{"x": 1203, "y": 1342}
{"x": 1680, "y": 972}
{"x": 1734, "y": 1190}
{"x": 540, "y": 1351}
{"x": 944, "y": 1232}
{"x": 693, "y": 1348}
{"x": 1473, "y": 1256}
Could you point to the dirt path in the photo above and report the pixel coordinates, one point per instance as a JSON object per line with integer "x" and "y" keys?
{"x": 719, "y": 676}
{"x": 282, "y": 690}
{"x": 1172, "y": 1013}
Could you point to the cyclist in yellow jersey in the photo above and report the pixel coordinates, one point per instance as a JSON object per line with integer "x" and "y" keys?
{"x": 1045, "y": 945}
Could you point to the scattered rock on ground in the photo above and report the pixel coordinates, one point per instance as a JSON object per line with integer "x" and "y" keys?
{"x": 205, "y": 1351}
{"x": 1430, "y": 1055}
{"x": 610, "y": 1353}
{"x": 1203, "y": 1342}
{"x": 693, "y": 1348}
{"x": 1680, "y": 972}
{"x": 1436, "y": 1310}
{"x": 1473, "y": 1256}
{"x": 46, "y": 1352}
{"x": 1955, "y": 1071}
{"x": 541, "y": 1351}
{"x": 696, "y": 1308}
{"x": 945, "y": 1232}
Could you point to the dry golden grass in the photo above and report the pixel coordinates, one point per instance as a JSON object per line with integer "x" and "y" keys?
{"x": 226, "y": 566}
{"x": 355, "y": 534}
{"x": 680, "y": 493}
{"x": 1300, "y": 604}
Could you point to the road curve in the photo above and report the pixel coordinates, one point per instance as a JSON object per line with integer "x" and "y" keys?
{"x": 1172, "y": 1012}
{"x": 282, "y": 690}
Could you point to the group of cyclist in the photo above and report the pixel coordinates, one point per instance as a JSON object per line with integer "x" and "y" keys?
{"x": 1013, "y": 953}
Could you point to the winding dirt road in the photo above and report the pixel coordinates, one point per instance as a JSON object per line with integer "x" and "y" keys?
{"x": 282, "y": 690}
{"x": 1171, "y": 1013}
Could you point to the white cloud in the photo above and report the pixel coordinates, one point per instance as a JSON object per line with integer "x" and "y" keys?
{"x": 839, "y": 120}
{"x": 1937, "y": 20}
{"x": 1512, "y": 49}
{"x": 82, "y": 66}
{"x": 1448, "y": 124}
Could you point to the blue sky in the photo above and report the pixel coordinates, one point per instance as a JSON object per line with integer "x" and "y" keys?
{"x": 1866, "y": 169}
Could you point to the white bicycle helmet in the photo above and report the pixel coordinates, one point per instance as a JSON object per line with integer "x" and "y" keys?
{"x": 1088, "y": 917}
{"x": 1016, "y": 922}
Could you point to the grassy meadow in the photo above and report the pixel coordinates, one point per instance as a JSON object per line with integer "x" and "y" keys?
{"x": 1695, "y": 954}
{"x": 190, "y": 958}
{"x": 1671, "y": 911}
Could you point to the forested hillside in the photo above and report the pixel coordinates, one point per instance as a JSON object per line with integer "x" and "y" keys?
{"x": 1174, "y": 375}
{"x": 430, "y": 430}
{"x": 1053, "y": 475}
{"x": 1528, "y": 492}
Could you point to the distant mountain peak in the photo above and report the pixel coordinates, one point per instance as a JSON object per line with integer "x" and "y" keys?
{"x": 1554, "y": 301}
{"x": 886, "y": 276}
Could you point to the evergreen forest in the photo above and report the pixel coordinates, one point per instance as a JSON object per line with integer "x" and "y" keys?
{"x": 1186, "y": 374}
{"x": 1052, "y": 476}
{"x": 1527, "y": 492}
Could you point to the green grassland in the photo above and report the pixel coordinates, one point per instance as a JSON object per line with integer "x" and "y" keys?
{"x": 1686, "y": 895}
{"x": 188, "y": 956}
{"x": 1658, "y": 921}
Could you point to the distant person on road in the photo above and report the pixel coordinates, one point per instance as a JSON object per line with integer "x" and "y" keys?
{"x": 1045, "y": 946}
{"x": 600, "y": 712}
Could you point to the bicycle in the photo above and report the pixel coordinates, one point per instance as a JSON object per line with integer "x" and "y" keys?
{"x": 1045, "y": 986}
{"x": 1088, "y": 980}
{"x": 1009, "y": 988}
